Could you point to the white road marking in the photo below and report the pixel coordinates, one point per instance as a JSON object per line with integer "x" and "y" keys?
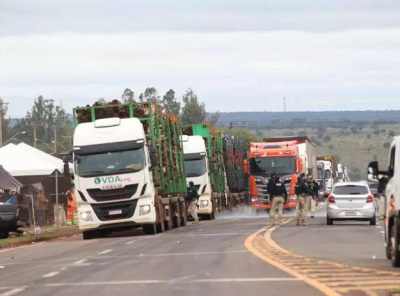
{"x": 382, "y": 232}
{"x": 104, "y": 252}
{"x": 129, "y": 243}
{"x": 212, "y": 234}
{"x": 140, "y": 282}
{"x": 379, "y": 227}
{"x": 193, "y": 253}
{"x": 64, "y": 269}
{"x": 80, "y": 262}
{"x": 13, "y": 291}
{"x": 51, "y": 274}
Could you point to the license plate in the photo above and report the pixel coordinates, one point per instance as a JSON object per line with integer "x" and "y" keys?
{"x": 349, "y": 213}
{"x": 115, "y": 212}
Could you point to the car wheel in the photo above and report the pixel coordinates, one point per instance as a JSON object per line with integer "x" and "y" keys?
{"x": 394, "y": 244}
{"x": 329, "y": 221}
{"x": 372, "y": 221}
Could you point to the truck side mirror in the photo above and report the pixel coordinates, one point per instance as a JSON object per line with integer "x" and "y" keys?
{"x": 153, "y": 156}
{"x": 66, "y": 166}
{"x": 373, "y": 171}
{"x": 246, "y": 166}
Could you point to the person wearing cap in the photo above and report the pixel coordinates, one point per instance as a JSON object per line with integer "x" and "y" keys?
{"x": 192, "y": 198}
{"x": 303, "y": 193}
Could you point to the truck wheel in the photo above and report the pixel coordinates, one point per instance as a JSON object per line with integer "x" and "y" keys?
{"x": 394, "y": 244}
{"x": 161, "y": 218}
{"x": 183, "y": 214}
{"x": 177, "y": 221}
{"x": 329, "y": 221}
{"x": 149, "y": 229}
{"x": 4, "y": 234}
{"x": 88, "y": 234}
{"x": 170, "y": 222}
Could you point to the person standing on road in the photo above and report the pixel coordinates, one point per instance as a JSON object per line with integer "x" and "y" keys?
{"x": 313, "y": 185}
{"x": 192, "y": 198}
{"x": 381, "y": 193}
{"x": 41, "y": 206}
{"x": 271, "y": 182}
{"x": 278, "y": 196}
{"x": 303, "y": 193}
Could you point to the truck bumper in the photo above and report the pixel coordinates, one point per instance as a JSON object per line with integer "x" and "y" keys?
{"x": 117, "y": 214}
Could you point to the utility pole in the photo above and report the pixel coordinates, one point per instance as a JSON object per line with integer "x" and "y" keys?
{"x": 55, "y": 138}
{"x": 1, "y": 120}
{"x": 284, "y": 104}
{"x": 34, "y": 135}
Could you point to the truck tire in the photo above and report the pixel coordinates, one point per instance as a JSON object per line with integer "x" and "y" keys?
{"x": 4, "y": 234}
{"x": 170, "y": 221}
{"x": 177, "y": 220}
{"x": 90, "y": 234}
{"x": 183, "y": 214}
{"x": 149, "y": 229}
{"x": 394, "y": 244}
{"x": 161, "y": 218}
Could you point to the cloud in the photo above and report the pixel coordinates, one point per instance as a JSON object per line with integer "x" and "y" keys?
{"x": 19, "y": 17}
{"x": 236, "y": 71}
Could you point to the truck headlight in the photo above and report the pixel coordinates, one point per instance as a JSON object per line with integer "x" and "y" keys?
{"x": 86, "y": 216}
{"x": 203, "y": 203}
{"x": 144, "y": 210}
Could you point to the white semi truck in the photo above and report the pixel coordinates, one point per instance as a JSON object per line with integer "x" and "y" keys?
{"x": 125, "y": 175}
{"x": 197, "y": 170}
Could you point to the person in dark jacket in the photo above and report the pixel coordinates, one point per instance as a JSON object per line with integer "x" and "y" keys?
{"x": 313, "y": 185}
{"x": 304, "y": 193}
{"x": 271, "y": 182}
{"x": 192, "y": 198}
{"x": 278, "y": 195}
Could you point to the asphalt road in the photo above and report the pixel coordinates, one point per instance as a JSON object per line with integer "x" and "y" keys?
{"x": 347, "y": 242}
{"x": 210, "y": 259}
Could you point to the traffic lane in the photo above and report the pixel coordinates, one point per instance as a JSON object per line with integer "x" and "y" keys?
{"x": 348, "y": 242}
{"x": 209, "y": 264}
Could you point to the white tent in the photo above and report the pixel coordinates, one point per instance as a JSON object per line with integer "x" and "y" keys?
{"x": 23, "y": 161}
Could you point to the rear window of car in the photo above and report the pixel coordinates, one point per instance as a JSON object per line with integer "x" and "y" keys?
{"x": 350, "y": 190}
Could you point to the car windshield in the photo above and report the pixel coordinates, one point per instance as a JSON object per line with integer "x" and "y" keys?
{"x": 327, "y": 174}
{"x": 373, "y": 186}
{"x": 350, "y": 190}
{"x": 195, "y": 167}
{"x": 109, "y": 163}
{"x": 268, "y": 165}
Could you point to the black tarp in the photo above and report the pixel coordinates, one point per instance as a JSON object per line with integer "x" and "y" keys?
{"x": 7, "y": 181}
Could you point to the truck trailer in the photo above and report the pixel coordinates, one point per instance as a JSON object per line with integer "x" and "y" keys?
{"x": 330, "y": 173}
{"x": 128, "y": 168}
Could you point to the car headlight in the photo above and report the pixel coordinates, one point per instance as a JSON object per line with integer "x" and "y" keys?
{"x": 144, "y": 210}
{"x": 86, "y": 216}
{"x": 204, "y": 203}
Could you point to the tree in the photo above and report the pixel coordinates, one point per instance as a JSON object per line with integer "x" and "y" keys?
{"x": 102, "y": 101}
{"x": 386, "y": 145}
{"x": 214, "y": 118}
{"x": 368, "y": 136}
{"x": 327, "y": 139}
{"x": 151, "y": 94}
{"x": 128, "y": 96}
{"x": 391, "y": 133}
{"x": 331, "y": 147}
{"x": 4, "y": 122}
{"x": 170, "y": 102}
{"x": 192, "y": 111}
{"x": 377, "y": 132}
{"x": 246, "y": 134}
{"x": 46, "y": 116}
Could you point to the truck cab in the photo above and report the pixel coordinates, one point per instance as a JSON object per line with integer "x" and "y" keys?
{"x": 389, "y": 179}
{"x": 198, "y": 170}
{"x": 320, "y": 175}
{"x": 328, "y": 174}
{"x": 113, "y": 180}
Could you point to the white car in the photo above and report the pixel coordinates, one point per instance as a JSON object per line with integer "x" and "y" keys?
{"x": 351, "y": 201}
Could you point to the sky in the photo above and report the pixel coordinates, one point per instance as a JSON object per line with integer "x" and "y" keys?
{"x": 236, "y": 55}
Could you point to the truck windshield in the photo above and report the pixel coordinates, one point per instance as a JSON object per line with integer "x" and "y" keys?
{"x": 320, "y": 174}
{"x": 195, "y": 167}
{"x": 268, "y": 165}
{"x": 109, "y": 163}
{"x": 327, "y": 174}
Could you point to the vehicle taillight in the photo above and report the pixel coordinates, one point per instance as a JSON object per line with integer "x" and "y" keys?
{"x": 331, "y": 199}
{"x": 370, "y": 198}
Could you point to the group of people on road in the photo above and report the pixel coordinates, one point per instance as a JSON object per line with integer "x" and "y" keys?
{"x": 307, "y": 195}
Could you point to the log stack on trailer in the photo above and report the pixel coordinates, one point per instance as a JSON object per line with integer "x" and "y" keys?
{"x": 235, "y": 153}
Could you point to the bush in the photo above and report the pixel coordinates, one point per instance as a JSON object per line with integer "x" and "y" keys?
{"x": 377, "y": 132}
{"x": 327, "y": 139}
{"x": 368, "y": 136}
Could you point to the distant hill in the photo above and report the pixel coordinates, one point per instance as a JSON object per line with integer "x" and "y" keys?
{"x": 390, "y": 116}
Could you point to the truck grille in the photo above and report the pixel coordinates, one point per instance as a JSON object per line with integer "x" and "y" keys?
{"x": 113, "y": 194}
{"x": 127, "y": 209}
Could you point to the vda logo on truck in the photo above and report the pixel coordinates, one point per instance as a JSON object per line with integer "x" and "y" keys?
{"x": 108, "y": 180}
